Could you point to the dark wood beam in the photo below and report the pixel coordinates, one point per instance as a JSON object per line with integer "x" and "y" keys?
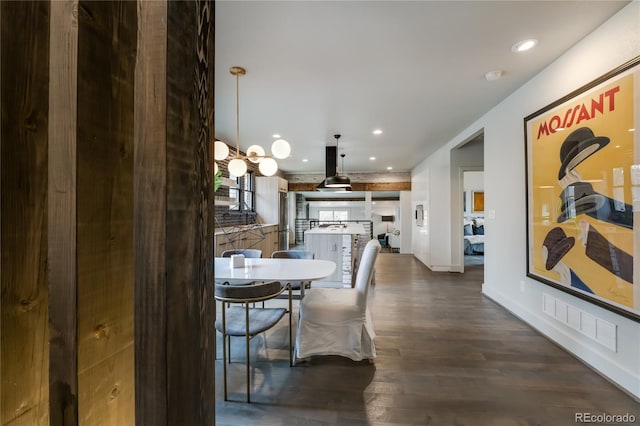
{"x": 356, "y": 186}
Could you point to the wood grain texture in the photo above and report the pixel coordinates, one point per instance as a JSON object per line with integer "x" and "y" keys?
{"x": 150, "y": 215}
{"x": 62, "y": 192}
{"x": 190, "y": 307}
{"x": 356, "y": 186}
{"x": 107, "y": 38}
{"x": 24, "y": 336}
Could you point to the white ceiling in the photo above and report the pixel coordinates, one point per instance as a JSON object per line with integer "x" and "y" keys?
{"x": 413, "y": 69}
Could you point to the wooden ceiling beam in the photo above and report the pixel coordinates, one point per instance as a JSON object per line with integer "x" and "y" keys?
{"x": 356, "y": 186}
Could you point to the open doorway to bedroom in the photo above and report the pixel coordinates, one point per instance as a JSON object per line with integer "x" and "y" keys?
{"x": 468, "y": 204}
{"x": 473, "y": 218}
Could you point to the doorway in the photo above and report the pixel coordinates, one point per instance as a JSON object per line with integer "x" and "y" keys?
{"x": 473, "y": 218}
{"x": 467, "y": 204}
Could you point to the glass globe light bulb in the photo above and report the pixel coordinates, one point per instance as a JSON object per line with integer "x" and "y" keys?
{"x": 281, "y": 149}
{"x": 221, "y": 150}
{"x": 268, "y": 167}
{"x": 255, "y": 153}
{"x": 237, "y": 167}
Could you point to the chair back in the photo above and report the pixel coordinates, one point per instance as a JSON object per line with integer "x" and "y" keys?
{"x": 248, "y": 293}
{"x": 248, "y": 253}
{"x": 292, "y": 254}
{"x": 365, "y": 272}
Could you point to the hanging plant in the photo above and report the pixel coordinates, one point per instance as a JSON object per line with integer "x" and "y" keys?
{"x": 217, "y": 180}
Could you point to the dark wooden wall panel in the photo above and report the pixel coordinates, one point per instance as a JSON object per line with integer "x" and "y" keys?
{"x": 107, "y": 39}
{"x": 23, "y": 232}
{"x": 98, "y": 158}
{"x": 150, "y": 216}
{"x": 190, "y": 304}
{"x": 61, "y": 251}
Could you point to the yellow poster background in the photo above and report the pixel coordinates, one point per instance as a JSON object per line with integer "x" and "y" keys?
{"x": 608, "y": 171}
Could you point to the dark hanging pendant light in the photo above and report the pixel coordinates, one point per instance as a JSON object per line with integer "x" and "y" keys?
{"x": 338, "y": 180}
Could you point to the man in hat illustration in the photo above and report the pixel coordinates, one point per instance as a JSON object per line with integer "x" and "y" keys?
{"x": 555, "y": 246}
{"x": 579, "y": 197}
{"x": 605, "y": 254}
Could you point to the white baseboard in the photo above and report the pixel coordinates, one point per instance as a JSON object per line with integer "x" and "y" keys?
{"x": 626, "y": 380}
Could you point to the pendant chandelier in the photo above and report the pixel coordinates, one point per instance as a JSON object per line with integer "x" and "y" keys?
{"x": 338, "y": 180}
{"x": 255, "y": 153}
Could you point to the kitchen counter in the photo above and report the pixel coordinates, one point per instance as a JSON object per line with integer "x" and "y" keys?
{"x": 335, "y": 243}
{"x": 261, "y": 236}
{"x": 239, "y": 228}
{"x": 341, "y": 229}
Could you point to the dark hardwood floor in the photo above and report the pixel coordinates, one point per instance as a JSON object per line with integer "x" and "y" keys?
{"x": 446, "y": 356}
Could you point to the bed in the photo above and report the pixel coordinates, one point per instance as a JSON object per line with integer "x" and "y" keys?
{"x": 474, "y": 236}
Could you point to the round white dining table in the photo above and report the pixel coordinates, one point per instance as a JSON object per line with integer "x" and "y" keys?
{"x": 268, "y": 269}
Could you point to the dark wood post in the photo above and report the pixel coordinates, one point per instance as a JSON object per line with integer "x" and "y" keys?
{"x": 174, "y": 215}
{"x": 24, "y": 143}
{"x": 106, "y": 223}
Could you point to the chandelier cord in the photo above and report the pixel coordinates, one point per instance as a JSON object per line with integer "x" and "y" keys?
{"x": 238, "y": 115}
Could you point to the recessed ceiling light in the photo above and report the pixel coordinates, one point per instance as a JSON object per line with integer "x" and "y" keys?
{"x": 276, "y": 136}
{"x": 372, "y": 158}
{"x": 389, "y": 168}
{"x": 493, "y": 75}
{"x": 377, "y": 132}
{"x": 523, "y": 45}
{"x": 304, "y": 160}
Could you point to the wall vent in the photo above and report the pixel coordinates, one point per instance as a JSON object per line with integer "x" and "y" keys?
{"x": 591, "y": 326}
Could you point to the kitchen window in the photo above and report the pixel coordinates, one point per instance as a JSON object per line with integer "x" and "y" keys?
{"x": 328, "y": 215}
{"x": 244, "y": 195}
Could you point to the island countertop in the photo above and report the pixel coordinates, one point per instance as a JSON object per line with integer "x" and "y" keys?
{"x": 341, "y": 229}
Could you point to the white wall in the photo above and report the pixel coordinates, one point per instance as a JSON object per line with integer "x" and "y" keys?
{"x": 614, "y": 43}
{"x": 406, "y": 221}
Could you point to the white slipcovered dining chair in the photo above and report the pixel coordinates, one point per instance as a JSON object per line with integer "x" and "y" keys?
{"x": 336, "y": 321}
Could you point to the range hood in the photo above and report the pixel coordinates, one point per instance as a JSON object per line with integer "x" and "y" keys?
{"x": 331, "y": 167}
{"x": 338, "y": 183}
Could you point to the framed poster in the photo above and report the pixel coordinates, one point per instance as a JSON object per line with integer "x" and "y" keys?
{"x": 478, "y": 202}
{"x": 583, "y": 192}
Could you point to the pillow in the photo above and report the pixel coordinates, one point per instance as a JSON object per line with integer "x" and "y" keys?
{"x": 479, "y": 221}
{"x": 478, "y": 230}
{"x": 468, "y": 230}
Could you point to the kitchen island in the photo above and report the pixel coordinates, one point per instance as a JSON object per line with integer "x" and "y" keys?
{"x": 336, "y": 243}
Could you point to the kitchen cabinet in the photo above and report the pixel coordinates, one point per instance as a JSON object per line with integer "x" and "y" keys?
{"x": 335, "y": 243}
{"x": 271, "y": 206}
{"x": 257, "y": 236}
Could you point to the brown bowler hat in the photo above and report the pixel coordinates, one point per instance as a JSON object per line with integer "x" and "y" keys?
{"x": 557, "y": 244}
